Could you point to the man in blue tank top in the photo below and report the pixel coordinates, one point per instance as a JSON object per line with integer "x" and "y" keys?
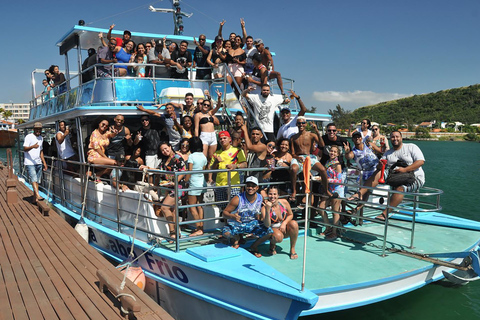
{"x": 244, "y": 214}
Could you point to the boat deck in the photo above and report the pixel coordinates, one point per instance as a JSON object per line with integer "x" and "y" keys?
{"x": 47, "y": 271}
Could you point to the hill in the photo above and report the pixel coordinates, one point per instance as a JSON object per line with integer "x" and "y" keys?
{"x": 458, "y": 104}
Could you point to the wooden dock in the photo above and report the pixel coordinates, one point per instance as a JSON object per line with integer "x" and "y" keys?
{"x": 47, "y": 271}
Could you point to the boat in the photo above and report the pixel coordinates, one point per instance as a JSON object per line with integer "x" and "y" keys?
{"x": 8, "y": 134}
{"x": 202, "y": 276}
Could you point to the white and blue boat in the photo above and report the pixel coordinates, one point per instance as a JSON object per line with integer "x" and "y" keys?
{"x": 201, "y": 277}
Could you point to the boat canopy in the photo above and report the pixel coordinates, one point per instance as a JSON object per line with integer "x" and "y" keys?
{"x": 87, "y": 37}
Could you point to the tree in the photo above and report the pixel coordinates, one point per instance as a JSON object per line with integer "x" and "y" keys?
{"x": 7, "y": 114}
{"x": 342, "y": 118}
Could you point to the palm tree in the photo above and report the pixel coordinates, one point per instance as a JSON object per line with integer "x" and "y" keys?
{"x": 7, "y": 114}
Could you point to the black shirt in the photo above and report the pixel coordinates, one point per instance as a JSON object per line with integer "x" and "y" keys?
{"x": 328, "y": 143}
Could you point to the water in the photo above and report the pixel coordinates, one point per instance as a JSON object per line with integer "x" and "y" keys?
{"x": 453, "y": 167}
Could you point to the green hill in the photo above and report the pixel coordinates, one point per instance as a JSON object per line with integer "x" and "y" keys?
{"x": 458, "y": 104}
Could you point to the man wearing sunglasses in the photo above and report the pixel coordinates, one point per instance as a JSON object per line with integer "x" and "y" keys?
{"x": 121, "y": 140}
{"x": 289, "y": 126}
{"x": 200, "y": 58}
{"x": 332, "y": 139}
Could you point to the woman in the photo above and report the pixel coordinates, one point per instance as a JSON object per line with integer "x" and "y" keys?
{"x": 58, "y": 79}
{"x": 184, "y": 151}
{"x": 196, "y": 161}
{"x": 186, "y": 129}
{"x": 140, "y": 57}
{"x": 205, "y": 129}
{"x": 239, "y": 58}
{"x": 365, "y": 130}
{"x": 380, "y": 141}
{"x": 281, "y": 221}
{"x": 334, "y": 173}
{"x": 270, "y": 160}
{"x": 99, "y": 140}
{"x": 124, "y": 55}
{"x": 283, "y": 158}
{"x": 214, "y": 59}
{"x": 169, "y": 161}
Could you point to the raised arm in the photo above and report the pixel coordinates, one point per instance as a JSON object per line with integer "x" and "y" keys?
{"x": 109, "y": 34}
{"x": 221, "y": 28}
{"x": 244, "y": 31}
{"x": 150, "y": 112}
{"x": 219, "y": 103}
{"x": 303, "y": 109}
{"x": 318, "y": 138}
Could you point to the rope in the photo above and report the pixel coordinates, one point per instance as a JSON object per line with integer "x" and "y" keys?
{"x": 125, "y": 295}
{"x": 140, "y": 196}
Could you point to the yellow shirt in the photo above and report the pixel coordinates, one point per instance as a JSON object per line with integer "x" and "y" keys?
{"x": 232, "y": 155}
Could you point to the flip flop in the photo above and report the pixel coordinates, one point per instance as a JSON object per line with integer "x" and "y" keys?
{"x": 255, "y": 253}
{"x": 272, "y": 252}
{"x": 355, "y": 196}
{"x": 293, "y": 256}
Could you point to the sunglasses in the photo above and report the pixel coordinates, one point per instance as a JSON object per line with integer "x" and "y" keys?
{"x": 364, "y": 123}
{"x": 202, "y": 39}
{"x": 331, "y": 130}
{"x": 271, "y": 145}
{"x": 375, "y": 129}
{"x": 206, "y": 104}
{"x": 145, "y": 120}
{"x": 301, "y": 123}
{"x": 185, "y": 144}
{"x": 103, "y": 125}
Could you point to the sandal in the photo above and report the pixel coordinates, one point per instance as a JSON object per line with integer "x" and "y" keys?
{"x": 197, "y": 232}
{"x": 356, "y": 196}
{"x": 327, "y": 232}
{"x": 272, "y": 251}
{"x": 293, "y": 256}
{"x": 255, "y": 253}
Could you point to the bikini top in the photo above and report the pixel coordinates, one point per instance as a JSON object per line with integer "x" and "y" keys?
{"x": 205, "y": 120}
{"x": 276, "y": 218}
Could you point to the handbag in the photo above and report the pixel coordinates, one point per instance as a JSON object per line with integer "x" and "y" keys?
{"x": 396, "y": 179}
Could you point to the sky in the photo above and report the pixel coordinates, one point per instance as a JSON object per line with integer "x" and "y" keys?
{"x": 352, "y": 52}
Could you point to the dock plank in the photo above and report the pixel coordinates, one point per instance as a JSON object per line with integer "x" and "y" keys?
{"x": 49, "y": 272}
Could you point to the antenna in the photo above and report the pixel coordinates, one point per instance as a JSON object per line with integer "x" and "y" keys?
{"x": 177, "y": 15}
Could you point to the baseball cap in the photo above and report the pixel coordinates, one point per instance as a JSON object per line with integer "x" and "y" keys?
{"x": 258, "y": 41}
{"x": 120, "y": 157}
{"x": 356, "y": 133}
{"x": 91, "y": 51}
{"x": 218, "y": 38}
{"x": 285, "y": 109}
{"x": 252, "y": 179}
{"x": 223, "y": 134}
{"x": 38, "y": 125}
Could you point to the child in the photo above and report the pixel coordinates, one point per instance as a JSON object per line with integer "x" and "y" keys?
{"x": 139, "y": 70}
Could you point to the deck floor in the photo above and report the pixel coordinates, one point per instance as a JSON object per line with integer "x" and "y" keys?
{"x": 47, "y": 271}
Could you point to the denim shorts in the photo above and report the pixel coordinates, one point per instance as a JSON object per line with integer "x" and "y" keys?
{"x": 34, "y": 172}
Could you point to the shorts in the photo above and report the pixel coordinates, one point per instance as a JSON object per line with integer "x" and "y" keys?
{"x": 313, "y": 160}
{"x": 209, "y": 138}
{"x": 152, "y": 161}
{"x": 34, "y": 172}
{"x": 253, "y": 226}
{"x": 410, "y": 188}
{"x": 219, "y": 70}
{"x": 236, "y": 69}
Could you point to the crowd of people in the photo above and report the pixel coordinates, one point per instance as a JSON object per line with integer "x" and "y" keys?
{"x": 182, "y": 138}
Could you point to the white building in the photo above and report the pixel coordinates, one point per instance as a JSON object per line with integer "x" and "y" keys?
{"x": 19, "y": 111}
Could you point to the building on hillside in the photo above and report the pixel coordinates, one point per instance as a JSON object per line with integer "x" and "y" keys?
{"x": 426, "y": 124}
{"x": 457, "y": 126}
{"x": 19, "y": 111}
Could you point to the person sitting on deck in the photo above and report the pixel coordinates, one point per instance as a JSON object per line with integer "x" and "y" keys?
{"x": 122, "y": 139}
{"x": 414, "y": 159}
{"x": 58, "y": 80}
{"x": 105, "y": 55}
{"x": 301, "y": 146}
{"x": 267, "y": 61}
{"x": 280, "y": 219}
{"x": 34, "y": 160}
{"x": 99, "y": 141}
{"x": 160, "y": 56}
{"x": 289, "y": 126}
{"x": 116, "y": 174}
{"x": 244, "y": 214}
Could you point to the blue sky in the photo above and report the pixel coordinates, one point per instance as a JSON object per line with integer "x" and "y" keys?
{"x": 351, "y": 53}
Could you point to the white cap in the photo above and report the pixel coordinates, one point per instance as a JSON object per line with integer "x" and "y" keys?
{"x": 252, "y": 179}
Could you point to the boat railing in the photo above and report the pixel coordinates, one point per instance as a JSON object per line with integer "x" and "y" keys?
{"x": 116, "y": 91}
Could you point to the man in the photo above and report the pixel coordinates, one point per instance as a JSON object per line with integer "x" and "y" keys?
{"x": 89, "y": 61}
{"x": 200, "y": 58}
{"x": 414, "y": 159}
{"x": 249, "y": 48}
{"x": 64, "y": 146}
{"x": 363, "y": 155}
{"x": 267, "y": 60}
{"x": 34, "y": 160}
{"x": 149, "y": 140}
{"x": 289, "y": 126}
{"x": 127, "y": 35}
{"x": 264, "y": 107}
{"x": 244, "y": 214}
{"x": 161, "y": 57}
{"x": 181, "y": 60}
{"x": 231, "y": 158}
{"x": 105, "y": 56}
{"x": 220, "y": 29}
{"x": 301, "y": 146}
{"x": 332, "y": 139}
{"x": 123, "y": 137}
{"x": 167, "y": 119}
{"x": 186, "y": 109}
{"x": 259, "y": 75}
{"x": 257, "y": 151}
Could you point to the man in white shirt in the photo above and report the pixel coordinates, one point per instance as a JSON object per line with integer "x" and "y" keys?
{"x": 34, "y": 160}
{"x": 264, "y": 107}
{"x": 289, "y": 126}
